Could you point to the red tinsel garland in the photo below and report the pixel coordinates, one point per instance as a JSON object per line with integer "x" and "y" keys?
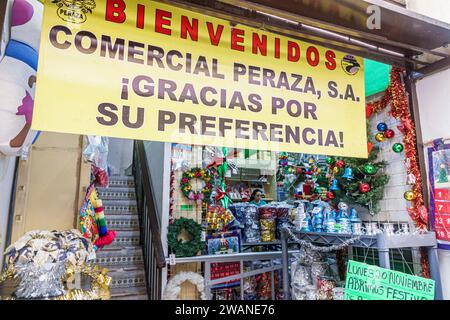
{"x": 171, "y": 193}
{"x": 397, "y": 96}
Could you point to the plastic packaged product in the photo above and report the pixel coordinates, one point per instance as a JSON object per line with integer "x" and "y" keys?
{"x": 308, "y": 256}
{"x": 250, "y": 286}
{"x": 338, "y": 293}
{"x": 325, "y": 286}
{"x": 298, "y": 292}
{"x": 301, "y": 276}
{"x": 318, "y": 269}
{"x": 311, "y": 292}
{"x": 252, "y": 231}
{"x": 268, "y": 229}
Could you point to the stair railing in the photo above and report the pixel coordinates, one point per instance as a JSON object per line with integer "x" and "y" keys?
{"x": 150, "y": 225}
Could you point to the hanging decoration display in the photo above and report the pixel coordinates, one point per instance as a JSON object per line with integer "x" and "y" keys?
{"x": 186, "y": 187}
{"x": 396, "y": 96}
{"x": 379, "y": 137}
{"x": 178, "y": 246}
{"x": 364, "y": 187}
{"x": 382, "y": 126}
{"x": 389, "y": 133}
{"x": 370, "y": 169}
{"x": 397, "y": 147}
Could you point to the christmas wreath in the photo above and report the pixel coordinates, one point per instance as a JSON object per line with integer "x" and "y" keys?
{"x": 186, "y": 188}
{"x": 185, "y": 249}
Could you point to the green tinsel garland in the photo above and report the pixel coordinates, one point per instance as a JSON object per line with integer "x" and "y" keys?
{"x": 186, "y": 249}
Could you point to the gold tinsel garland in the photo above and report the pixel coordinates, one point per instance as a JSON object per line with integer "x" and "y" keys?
{"x": 99, "y": 285}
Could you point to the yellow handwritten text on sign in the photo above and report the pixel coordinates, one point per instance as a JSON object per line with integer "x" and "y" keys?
{"x": 151, "y": 71}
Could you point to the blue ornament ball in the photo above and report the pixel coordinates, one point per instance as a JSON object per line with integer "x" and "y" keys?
{"x": 382, "y": 126}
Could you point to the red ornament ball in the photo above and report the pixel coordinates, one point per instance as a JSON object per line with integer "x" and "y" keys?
{"x": 330, "y": 195}
{"x": 389, "y": 133}
{"x": 364, "y": 187}
{"x": 340, "y": 163}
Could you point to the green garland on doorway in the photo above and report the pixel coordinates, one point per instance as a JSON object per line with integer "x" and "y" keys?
{"x": 185, "y": 249}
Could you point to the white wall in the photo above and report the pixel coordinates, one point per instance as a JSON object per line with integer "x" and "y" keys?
{"x": 7, "y": 165}
{"x": 120, "y": 155}
{"x": 437, "y": 9}
{"x": 434, "y": 107}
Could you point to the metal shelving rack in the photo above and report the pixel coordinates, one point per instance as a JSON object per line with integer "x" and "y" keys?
{"x": 382, "y": 242}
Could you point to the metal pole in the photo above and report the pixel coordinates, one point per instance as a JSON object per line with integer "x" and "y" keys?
{"x": 383, "y": 255}
{"x": 434, "y": 271}
{"x": 285, "y": 259}
{"x": 207, "y": 280}
{"x": 241, "y": 270}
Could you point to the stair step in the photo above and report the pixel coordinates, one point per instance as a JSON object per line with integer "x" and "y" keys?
{"x": 127, "y": 278}
{"x": 120, "y": 211}
{"x": 127, "y": 258}
{"x": 126, "y": 238}
{"x": 123, "y": 222}
{"x": 117, "y": 189}
{"x": 119, "y": 293}
{"x": 121, "y": 181}
{"x": 130, "y": 297}
{"x": 120, "y": 202}
{"x": 117, "y": 195}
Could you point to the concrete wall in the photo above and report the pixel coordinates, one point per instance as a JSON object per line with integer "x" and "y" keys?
{"x": 155, "y": 156}
{"x": 7, "y": 165}
{"x": 434, "y": 96}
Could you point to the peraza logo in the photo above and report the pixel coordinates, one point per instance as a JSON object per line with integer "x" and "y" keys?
{"x": 74, "y": 11}
{"x": 350, "y": 65}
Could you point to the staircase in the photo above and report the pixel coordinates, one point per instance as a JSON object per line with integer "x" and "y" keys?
{"x": 124, "y": 257}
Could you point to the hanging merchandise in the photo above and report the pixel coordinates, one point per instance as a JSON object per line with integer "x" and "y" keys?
{"x": 96, "y": 153}
{"x": 185, "y": 248}
{"x": 396, "y": 96}
{"x": 106, "y": 237}
{"x": 189, "y": 192}
{"x": 87, "y": 221}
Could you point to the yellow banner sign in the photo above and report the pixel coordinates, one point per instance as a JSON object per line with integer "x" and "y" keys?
{"x": 147, "y": 70}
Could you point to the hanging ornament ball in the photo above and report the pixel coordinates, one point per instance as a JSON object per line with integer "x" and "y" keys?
{"x": 397, "y": 147}
{"x": 389, "y": 133}
{"x": 299, "y": 171}
{"x": 330, "y": 195}
{"x": 336, "y": 170}
{"x": 409, "y": 195}
{"x": 382, "y": 126}
{"x": 370, "y": 169}
{"x": 330, "y": 160}
{"x": 364, "y": 187}
{"x": 340, "y": 163}
{"x": 379, "y": 137}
